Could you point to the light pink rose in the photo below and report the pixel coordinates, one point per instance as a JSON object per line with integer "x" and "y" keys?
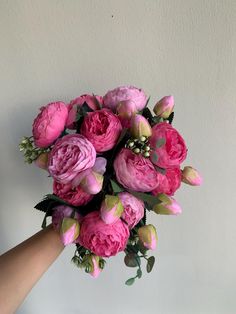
{"x": 49, "y": 123}
{"x": 113, "y": 98}
{"x": 93, "y": 260}
{"x": 133, "y": 209}
{"x": 103, "y": 239}
{"x": 69, "y": 230}
{"x": 167, "y": 206}
{"x": 74, "y": 196}
{"x": 191, "y": 176}
{"x": 70, "y": 155}
{"x": 173, "y": 152}
{"x": 135, "y": 172}
{"x": 90, "y": 100}
{"x": 168, "y": 182}
{"x": 60, "y": 212}
{"x": 102, "y": 128}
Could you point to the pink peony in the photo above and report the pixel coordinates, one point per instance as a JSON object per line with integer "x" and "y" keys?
{"x": 90, "y": 100}
{"x": 102, "y": 128}
{"x": 173, "y": 152}
{"x": 169, "y": 182}
{"x": 74, "y": 196}
{"x": 49, "y": 123}
{"x": 60, "y": 212}
{"x": 70, "y": 155}
{"x": 103, "y": 239}
{"x": 133, "y": 209}
{"x": 135, "y": 172}
{"x": 113, "y": 98}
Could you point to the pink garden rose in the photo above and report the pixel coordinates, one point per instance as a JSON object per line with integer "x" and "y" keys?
{"x": 113, "y": 98}
{"x": 173, "y": 152}
{"x": 135, "y": 172}
{"x": 59, "y": 213}
{"x": 70, "y": 155}
{"x": 74, "y": 196}
{"x": 133, "y": 209}
{"x": 90, "y": 100}
{"x": 103, "y": 239}
{"x": 49, "y": 123}
{"x": 168, "y": 182}
{"x": 102, "y": 128}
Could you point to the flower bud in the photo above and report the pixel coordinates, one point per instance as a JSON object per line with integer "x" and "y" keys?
{"x": 92, "y": 182}
{"x": 93, "y": 265}
{"x": 140, "y": 126}
{"x": 111, "y": 209}
{"x": 42, "y": 161}
{"x": 164, "y": 107}
{"x": 125, "y": 110}
{"x": 148, "y": 236}
{"x": 191, "y": 176}
{"x": 69, "y": 230}
{"x": 167, "y": 206}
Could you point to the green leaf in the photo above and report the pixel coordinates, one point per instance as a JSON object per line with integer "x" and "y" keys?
{"x": 150, "y": 263}
{"x": 148, "y": 198}
{"x": 132, "y": 260}
{"x": 160, "y": 142}
{"x": 116, "y": 187}
{"x": 130, "y": 281}
{"x": 171, "y": 117}
{"x": 139, "y": 273}
{"x": 159, "y": 169}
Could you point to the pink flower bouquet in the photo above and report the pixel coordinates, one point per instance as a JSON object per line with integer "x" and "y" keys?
{"x": 111, "y": 162}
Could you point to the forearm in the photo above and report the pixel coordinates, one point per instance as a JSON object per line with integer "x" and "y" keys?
{"x": 22, "y": 266}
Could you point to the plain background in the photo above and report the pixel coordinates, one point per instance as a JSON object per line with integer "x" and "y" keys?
{"x": 57, "y": 50}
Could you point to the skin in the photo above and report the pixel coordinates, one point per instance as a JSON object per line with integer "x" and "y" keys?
{"x": 22, "y": 266}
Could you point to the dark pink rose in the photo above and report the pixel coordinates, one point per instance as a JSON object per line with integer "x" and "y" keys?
{"x": 114, "y": 97}
{"x": 168, "y": 182}
{"x": 103, "y": 239}
{"x": 49, "y": 123}
{"x": 102, "y": 128}
{"x": 135, "y": 172}
{"x": 173, "y": 152}
{"x": 74, "y": 196}
{"x": 133, "y": 209}
{"x": 71, "y": 155}
{"x": 90, "y": 100}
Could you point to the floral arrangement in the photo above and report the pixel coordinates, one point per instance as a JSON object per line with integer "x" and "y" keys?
{"x": 112, "y": 161}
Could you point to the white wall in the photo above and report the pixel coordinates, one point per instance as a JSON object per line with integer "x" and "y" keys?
{"x": 51, "y": 50}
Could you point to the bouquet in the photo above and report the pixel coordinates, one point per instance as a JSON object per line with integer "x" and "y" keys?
{"x": 112, "y": 161}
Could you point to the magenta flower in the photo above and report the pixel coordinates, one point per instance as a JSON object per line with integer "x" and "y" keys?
{"x": 49, "y": 123}
{"x": 102, "y": 128}
{"x": 103, "y": 239}
{"x": 135, "y": 172}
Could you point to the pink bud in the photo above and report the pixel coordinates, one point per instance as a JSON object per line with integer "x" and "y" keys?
{"x": 164, "y": 107}
{"x": 140, "y": 126}
{"x": 94, "y": 267}
{"x": 111, "y": 209}
{"x": 92, "y": 182}
{"x": 69, "y": 230}
{"x": 42, "y": 161}
{"x": 148, "y": 236}
{"x": 167, "y": 206}
{"x": 125, "y": 110}
{"x": 191, "y": 176}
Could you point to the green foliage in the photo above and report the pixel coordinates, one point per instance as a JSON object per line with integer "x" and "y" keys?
{"x": 150, "y": 263}
{"x": 130, "y": 281}
{"x": 116, "y": 187}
